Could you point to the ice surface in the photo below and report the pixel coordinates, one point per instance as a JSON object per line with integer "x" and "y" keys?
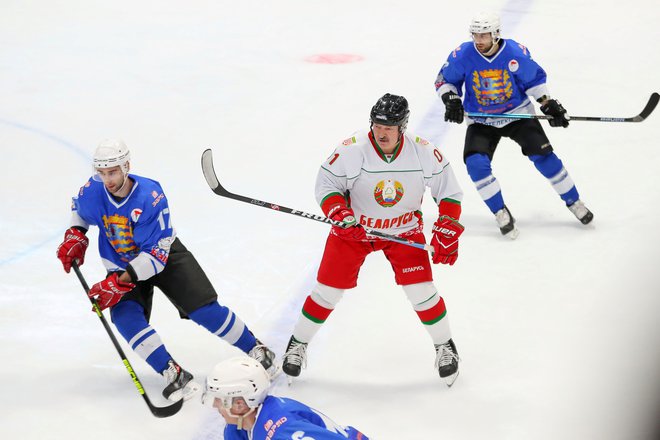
{"x": 558, "y": 330}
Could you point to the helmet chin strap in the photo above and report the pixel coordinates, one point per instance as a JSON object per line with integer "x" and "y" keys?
{"x": 239, "y": 422}
{"x": 493, "y": 48}
{"x": 122, "y": 185}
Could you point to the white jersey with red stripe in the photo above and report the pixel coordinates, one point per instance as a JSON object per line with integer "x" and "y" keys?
{"x": 386, "y": 191}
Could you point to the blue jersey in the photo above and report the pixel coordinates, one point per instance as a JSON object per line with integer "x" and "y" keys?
{"x": 280, "y": 418}
{"x": 496, "y": 84}
{"x": 135, "y": 230}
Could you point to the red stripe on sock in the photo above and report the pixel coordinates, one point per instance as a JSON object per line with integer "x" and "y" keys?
{"x": 315, "y": 311}
{"x": 434, "y": 313}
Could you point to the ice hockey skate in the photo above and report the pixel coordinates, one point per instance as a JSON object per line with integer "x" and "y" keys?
{"x": 295, "y": 358}
{"x": 180, "y": 383}
{"x": 446, "y": 361}
{"x": 507, "y": 223}
{"x": 581, "y": 212}
{"x": 266, "y": 358}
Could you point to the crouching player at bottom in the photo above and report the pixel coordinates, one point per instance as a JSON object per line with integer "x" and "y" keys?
{"x": 238, "y": 389}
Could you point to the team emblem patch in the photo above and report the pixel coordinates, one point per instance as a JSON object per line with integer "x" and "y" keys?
{"x": 388, "y": 193}
{"x": 513, "y": 65}
{"x": 492, "y": 86}
{"x": 135, "y": 214}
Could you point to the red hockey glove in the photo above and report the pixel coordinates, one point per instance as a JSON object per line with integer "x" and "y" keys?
{"x": 72, "y": 248}
{"x": 353, "y": 231}
{"x": 446, "y": 231}
{"x": 109, "y": 291}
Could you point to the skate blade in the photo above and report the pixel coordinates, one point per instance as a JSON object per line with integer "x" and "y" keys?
{"x": 587, "y": 219}
{"x": 186, "y": 393}
{"x": 449, "y": 380}
{"x": 274, "y": 371}
{"x": 513, "y": 234}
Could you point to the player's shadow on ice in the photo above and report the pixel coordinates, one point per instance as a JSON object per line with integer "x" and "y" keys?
{"x": 346, "y": 387}
{"x": 483, "y": 226}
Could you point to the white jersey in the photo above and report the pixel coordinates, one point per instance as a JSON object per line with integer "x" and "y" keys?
{"x": 386, "y": 192}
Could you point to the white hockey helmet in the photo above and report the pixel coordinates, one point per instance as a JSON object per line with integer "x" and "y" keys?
{"x": 237, "y": 377}
{"x": 111, "y": 153}
{"x": 484, "y": 23}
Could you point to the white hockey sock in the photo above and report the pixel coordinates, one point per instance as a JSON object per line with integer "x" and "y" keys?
{"x": 430, "y": 309}
{"x": 318, "y": 306}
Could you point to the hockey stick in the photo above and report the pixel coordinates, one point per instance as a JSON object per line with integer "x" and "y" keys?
{"x": 648, "y": 109}
{"x": 158, "y": 411}
{"x": 212, "y": 180}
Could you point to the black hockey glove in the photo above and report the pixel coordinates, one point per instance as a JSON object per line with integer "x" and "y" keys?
{"x": 454, "y": 111}
{"x": 553, "y": 108}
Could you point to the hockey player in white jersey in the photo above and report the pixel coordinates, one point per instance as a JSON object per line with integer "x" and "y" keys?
{"x": 377, "y": 178}
{"x": 498, "y": 76}
{"x": 140, "y": 251}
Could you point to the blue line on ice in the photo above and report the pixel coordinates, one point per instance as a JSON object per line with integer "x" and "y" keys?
{"x": 58, "y": 140}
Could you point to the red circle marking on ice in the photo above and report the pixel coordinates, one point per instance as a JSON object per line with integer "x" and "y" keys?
{"x": 334, "y": 58}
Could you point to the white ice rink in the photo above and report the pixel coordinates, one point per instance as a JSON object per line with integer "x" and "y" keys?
{"x": 558, "y": 331}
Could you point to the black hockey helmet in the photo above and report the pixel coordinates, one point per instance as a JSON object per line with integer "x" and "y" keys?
{"x": 391, "y": 110}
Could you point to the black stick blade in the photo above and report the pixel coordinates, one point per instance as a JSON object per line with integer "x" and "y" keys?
{"x": 650, "y": 106}
{"x": 164, "y": 411}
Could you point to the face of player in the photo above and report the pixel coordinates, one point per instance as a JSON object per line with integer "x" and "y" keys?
{"x": 387, "y": 136}
{"x": 113, "y": 179}
{"x": 483, "y": 42}
{"x": 238, "y": 408}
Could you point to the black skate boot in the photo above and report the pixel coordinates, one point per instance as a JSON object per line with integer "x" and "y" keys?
{"x": 265, "y": 356}
{"x": 581, "y": 212}
{"x": 507, "y": 223}
{"x": 295, "y": 357}
{"x": 180, "y": 383}
{"x": 446, "y": 361}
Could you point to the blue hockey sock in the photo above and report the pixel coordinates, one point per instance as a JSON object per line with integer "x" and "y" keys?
{"x": 222, "y": 322}
{"x": 480, "y": 171}
{"x": 128, "y": 317}
{"x": 552, "y": 169}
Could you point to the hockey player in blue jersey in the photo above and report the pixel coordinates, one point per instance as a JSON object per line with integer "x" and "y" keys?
{"x": 140, "y": 251}
{"x": 238, "y": 389}
{"x": 498, "y": 76}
